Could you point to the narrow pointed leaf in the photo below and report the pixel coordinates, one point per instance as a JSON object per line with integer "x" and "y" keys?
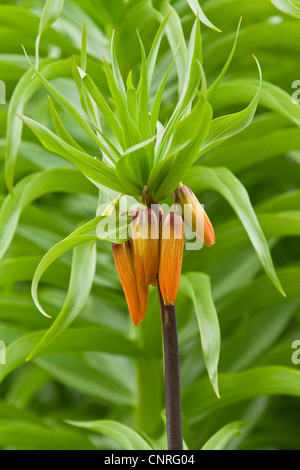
{"x": 226, "y": 126}
{"x": 32, "y": 187}
{"x": 81, "y": 280}
{"x": 91, "y": 167}
{"x": 200, "y": 292}
{"x": 125, "y": 436}
{"x": 195, "y": 6}
{"x": 288, "y": 7}
{"x": 224, "y": 182}
{"x": 226, "y": 66}
{"x": 220, "y": 440}
{"x": 51, "y": 12}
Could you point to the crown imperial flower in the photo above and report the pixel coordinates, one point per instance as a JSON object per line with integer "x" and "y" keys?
{"x": 171, "y": 253}
{"x": 145, "y": 241}
{"x": 135, "y": 291}
{"x": 194, "y": 215}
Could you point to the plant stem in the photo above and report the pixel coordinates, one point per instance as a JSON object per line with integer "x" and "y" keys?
{"x": 172, "y": 375}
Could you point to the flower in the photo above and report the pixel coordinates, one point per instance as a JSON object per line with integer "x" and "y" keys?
{"x": 135, "y": 291}
{"x": 171, "y": 253}
{"x": 145, "y": 241}
{"x": 194, "y": 215}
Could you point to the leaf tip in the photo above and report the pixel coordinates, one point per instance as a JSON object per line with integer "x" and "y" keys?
{"x": 24, "y": 50}
{"x": 215, "y": 385}
{"x": 46, "y": 315}
{"x": 259, "y": 68}
{"x": 282, "y": 292}
{"x": 279, "y": 287}
{"x": 29, "y": 357}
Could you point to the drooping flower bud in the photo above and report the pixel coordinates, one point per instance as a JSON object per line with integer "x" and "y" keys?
{"x": 135, "y": 292}
{"x": 171, "y": 253}
{"x": 145, "y": 241}
{"x": 194, "y": 215}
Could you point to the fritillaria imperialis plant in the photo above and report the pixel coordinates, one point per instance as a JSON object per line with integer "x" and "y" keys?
{"x": 146, "y": 159}
{"x": 147, "y": 162}
{"x": 154, "y": 256}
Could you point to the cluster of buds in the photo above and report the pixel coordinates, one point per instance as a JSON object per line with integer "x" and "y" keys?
{"x": 154, "y": 253}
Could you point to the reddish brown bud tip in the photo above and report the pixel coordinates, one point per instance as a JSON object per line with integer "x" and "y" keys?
{"x": 171, "y": 253}
{"x": 136, "y": 293}
{"x": 194, "y": 215}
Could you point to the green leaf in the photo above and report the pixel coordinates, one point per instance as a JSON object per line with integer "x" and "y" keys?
{"x": 220, "y": 440}
{"x": 226, "y": 66}
{"x": 31, "y": 188}
{"x": 175, "y": 37}
{"x": 288, "y": 7}
{"x": 226, "y": 126}
{"x": 21, "y": 94}
{"x": 256, "y": 295}
{"x": 93, "y": 338}
{"x": 100, "y": 101}
{"x": 32, "y": 437}
{"x": 71, "y": 341}
{"x": 190, "y": 87}
{"x": 224, "y": 182}
{"x": 83, "y": 49}
{"x": 232, "y": 238}
{"x": 92, "y": 114}
{"x": 167, "y": 174}
{"x": 142, "y": 96}
{"x": 188, "y": 128}
{"x": 134, "y": 179}
{"x": 86, "y": 233}
{"x": 81, "y": 280}
{"x": 51, "y": 12}
{"x": 91, "y": 167}
{"x": 131, "y": 133}
{"x": 133, "y": 167}
{"x": 255, "y": 150}
{"x": 125, "y": 436}
{"x": 60, "y": 128}
{"x": 131, "y": 97}
{"x": 73, "y": 112}
{"x": 24, "y": 90}
{"x": 158, "y": 98}
{"x": 152, "y": 56}
{"x": 287, "y": 200}
{"x": 27, "y": 385}
{"x": 79, "y": 374}
{"x": 116, "y": 70}
{"x": 251, "y": 339}
{"x": 271, "y": 96}
{"x": 200, "y": 291}
{"x": 236, "y": 388}
{"x": 194, "y": 5}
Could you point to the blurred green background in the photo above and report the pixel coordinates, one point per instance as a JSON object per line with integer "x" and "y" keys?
{"x": 101, "y": 367}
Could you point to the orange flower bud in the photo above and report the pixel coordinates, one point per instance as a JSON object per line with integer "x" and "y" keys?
{"x": 194, "y": 215}
{"x": 135, "y": 292}
{"x": 171, "y": 253}
{"x": 145, "y": 241}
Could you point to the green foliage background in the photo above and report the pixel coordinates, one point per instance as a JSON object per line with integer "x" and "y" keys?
{"x": 98, "y": 384}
